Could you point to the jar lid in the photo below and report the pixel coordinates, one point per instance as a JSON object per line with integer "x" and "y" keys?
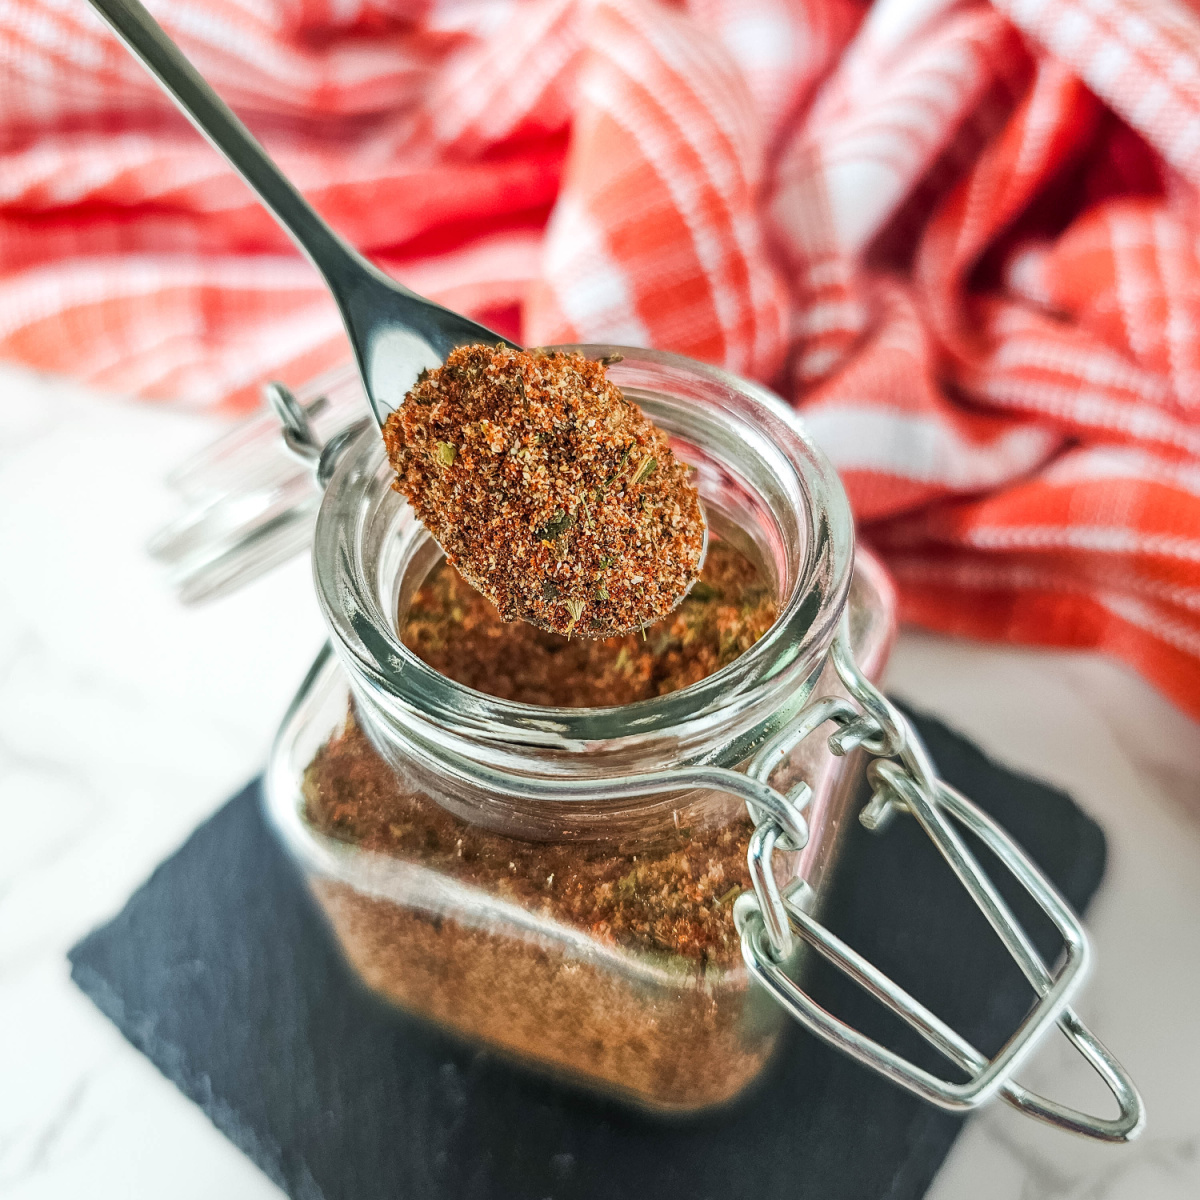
{"x": 249, "y": 503}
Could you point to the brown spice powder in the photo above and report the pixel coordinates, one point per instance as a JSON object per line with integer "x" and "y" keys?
{"x": 691, "y": 1040}
{"x": 675, "y": 898}
{"x": 667, "y": 1046}
{"x": 549, "y": 490}
{"x": 459, "y": 634}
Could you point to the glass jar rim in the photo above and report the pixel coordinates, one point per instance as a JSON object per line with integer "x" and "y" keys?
{"x": 792, "y": 649}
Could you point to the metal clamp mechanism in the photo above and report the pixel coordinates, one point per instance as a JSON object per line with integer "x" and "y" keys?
{"x": 904, "y": 780}
{"x": 299, "y": 436}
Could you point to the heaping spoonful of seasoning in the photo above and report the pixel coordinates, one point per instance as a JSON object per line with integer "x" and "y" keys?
{"x": 550, "y": 492}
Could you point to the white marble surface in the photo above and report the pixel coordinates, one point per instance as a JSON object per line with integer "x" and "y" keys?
{"x": 125, "y": 719}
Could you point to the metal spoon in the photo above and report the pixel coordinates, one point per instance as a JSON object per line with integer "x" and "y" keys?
{"x": 395, "y": 333}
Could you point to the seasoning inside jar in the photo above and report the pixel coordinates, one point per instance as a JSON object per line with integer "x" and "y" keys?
{"x": 548, "y": 489}
{"x": 558, "y": 883}
{"x": 459, "y": 634}
{"x": 676, "y": 1031}
{"x": 674, "y": 898}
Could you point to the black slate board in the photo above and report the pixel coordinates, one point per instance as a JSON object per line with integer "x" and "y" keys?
{"x": 221, "y": 971}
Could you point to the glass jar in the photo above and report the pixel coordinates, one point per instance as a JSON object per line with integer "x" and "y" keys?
{"x": 736, "y": 758}
{"x": 666, "y": 1030}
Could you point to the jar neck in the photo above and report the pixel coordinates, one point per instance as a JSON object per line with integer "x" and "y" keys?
{"x": 764, "y": 486}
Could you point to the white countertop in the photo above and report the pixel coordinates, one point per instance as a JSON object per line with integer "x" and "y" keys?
{"x": 125, "y": 719}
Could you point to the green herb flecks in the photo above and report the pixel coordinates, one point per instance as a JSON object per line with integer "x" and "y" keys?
{"x": 644, "y": 470}
{"x": 554, "y": 528}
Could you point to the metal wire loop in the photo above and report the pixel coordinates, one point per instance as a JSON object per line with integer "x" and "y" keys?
{"x": 987, "y": 1078}
{"x": 298, "y": 434}
{"x": 300, "y": 437}
{"x": 891, "y": 738}
{"x": 772, "y": 912}
{"x": 904, "y": 779}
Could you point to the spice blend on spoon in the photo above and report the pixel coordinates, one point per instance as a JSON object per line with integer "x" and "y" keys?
{"x": 549, "y": 490}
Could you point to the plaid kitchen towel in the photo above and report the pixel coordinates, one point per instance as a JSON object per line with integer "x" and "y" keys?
{"x": 963, "y": 237}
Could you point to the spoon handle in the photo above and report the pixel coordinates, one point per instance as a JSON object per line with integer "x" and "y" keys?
{"x": 149, "y": 43}
{"x": 394, "y": 332}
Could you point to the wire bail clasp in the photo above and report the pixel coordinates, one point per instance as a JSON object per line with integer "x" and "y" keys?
{"x": 300, "y": 437}
{"x": 904, "y": 780}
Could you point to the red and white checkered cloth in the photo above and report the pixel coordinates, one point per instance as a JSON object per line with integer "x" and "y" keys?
{"x": 963, "y": 236}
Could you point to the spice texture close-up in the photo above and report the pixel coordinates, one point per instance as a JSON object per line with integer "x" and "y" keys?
{"x": 462, "y": 636}
{"x": 548, "y": 489}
